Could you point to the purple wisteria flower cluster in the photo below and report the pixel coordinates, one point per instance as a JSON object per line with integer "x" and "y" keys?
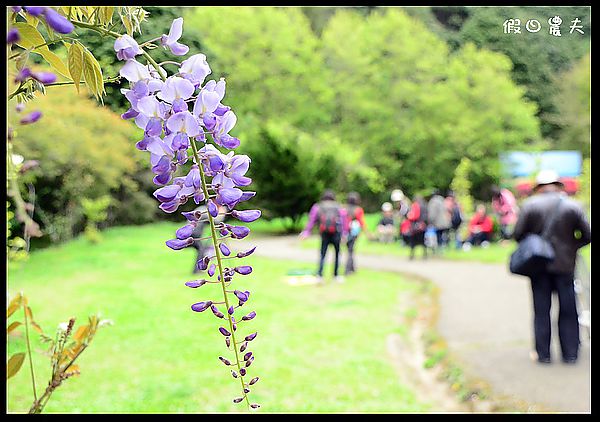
{"x": 179, "y": 114}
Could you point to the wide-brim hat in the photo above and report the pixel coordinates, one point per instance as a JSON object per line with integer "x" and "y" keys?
{"x": 547, "y": 177}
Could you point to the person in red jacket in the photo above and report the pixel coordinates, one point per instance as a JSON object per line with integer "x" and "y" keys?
{"x": 480, "y": 228}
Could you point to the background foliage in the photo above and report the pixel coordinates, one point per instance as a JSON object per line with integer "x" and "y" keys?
{"x": 355, "y": 98}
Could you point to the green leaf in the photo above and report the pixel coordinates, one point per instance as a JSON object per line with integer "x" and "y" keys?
{"x": 55, "y": 62}
{"x": 30, "y": 37}
{"x": 14, "y": 305}
{"x": 92, "y": 74}
{"x": 14, "y": 364}
{"x": 76, "y": 63}
{"x": 12, "y": 326}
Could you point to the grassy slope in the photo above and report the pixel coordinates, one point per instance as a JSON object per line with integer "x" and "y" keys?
{"x": 319, "y": 349}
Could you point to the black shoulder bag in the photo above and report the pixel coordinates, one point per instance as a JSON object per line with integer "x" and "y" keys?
{"x": 535, "y": 251}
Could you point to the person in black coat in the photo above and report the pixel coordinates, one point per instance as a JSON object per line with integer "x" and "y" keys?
{"x": 569, "y": 231}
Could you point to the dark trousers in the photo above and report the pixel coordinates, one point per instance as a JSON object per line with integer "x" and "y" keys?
{"x": 478, "y": 238}
{"x": 350, "y": 262}
{"x": 542, "y": 287}
{"x": 326, "y": 240}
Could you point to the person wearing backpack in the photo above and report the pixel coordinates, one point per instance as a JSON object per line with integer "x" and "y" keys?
{"x": 417, "y": 215}
{"x": 330, "y": 217}
{"x": 456, "y": 218}
{"x": 355, "y": 222}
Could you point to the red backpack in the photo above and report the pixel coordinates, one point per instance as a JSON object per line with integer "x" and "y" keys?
{"x": 329, "y": 217}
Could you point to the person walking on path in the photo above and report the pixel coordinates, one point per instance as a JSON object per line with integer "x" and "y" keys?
{"x": 417, "y": 215}
{"x": 505, "y": 206}
{"x": 355, "y": 216}
{"x": 438, "y": 218}
{"x": 569, "y": 230}
{"x": 331, "y": 219}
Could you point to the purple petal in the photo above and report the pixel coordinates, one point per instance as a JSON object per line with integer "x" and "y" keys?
{"x": 12, "y": 36}
{"x": 178, "y": 49}
{"x": 246, "y": 253}
{"x": 239, "y": 232}
{"x": 32, "y": 117}
{"x": 185, "y": 231}
{"x": 166, "y": 193}
{"x": 243, "y": 269}
{"x": 34, "y": 10}
{"x": 212, "y": 208}
{"x": 196, "y": 283}
{"x": 247, "y": 215}
{"x": 250, "y": 337}
{"x": 212, "y": 269}
{"x": 230, "y": 195}
{"x": 129, "y": 114}
{"x": 224, "y": 332}
{"x": 170, "y": 206}
{"x": 224, "y": 249}
{"x": 249, "y": 316}
{"x": 201, "y": 306}
{"x": 240, "y": 295}
{"x": 177, "y": 244}
{"x": 58, "y": 22}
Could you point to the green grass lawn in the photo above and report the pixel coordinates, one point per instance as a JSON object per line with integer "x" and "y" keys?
{"x": 319, "y": 349}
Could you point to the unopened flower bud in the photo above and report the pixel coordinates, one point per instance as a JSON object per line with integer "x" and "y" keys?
{"x": 250, "y": 337}
{"x": 243, "y": 269}
{"x": 249, "y": 316}
{"x": 224, "y": 249}
{"x": 255, "y": 405}
{"x": 246, "y": 253}
{"x": 201, "y": 306}
{"x": 234, "y": 374}
{"x": 242, "y": 371}
{"x": 253, "y": 381}
{"x": 195, "y": 283}
{"x": 224, "y": 332}
{"x": 247, "y": 355}
{"x": 237, "y": 400}
{"x": 243, "y": 347}
{"x": 225, "y": 361}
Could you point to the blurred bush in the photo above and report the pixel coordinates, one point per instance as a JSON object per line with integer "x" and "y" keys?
{"x": 84, "y": 151}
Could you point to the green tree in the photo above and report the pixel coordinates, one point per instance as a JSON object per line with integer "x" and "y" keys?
{"x": 461, "y": 185}
{"x": 77, "y": 158}
{"x": 273, "y": 58}
{"x": 537, "y": 57}
{"x": 414, "y": 109}
{"x": 573, "y": 105}
{"x": 288, "y": 174}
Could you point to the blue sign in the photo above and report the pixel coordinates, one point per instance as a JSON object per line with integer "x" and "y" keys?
{"x": 524, "y": 164}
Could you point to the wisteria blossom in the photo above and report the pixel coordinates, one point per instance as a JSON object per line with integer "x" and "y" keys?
{"x": 170, "y": 41}
{"x": 187, "y": 135}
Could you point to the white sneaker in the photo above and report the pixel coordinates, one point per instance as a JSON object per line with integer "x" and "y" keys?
{"x": 340, "y": 279}
{"x": 485, "y": 244}
{"x": 466, "y": 246}
{"x": 319, "y": 281}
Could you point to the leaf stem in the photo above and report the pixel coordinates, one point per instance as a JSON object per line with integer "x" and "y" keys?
{"x": 29, "y": 350}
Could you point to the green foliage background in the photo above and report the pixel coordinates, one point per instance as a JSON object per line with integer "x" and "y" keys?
{"x": 354, "y": 98}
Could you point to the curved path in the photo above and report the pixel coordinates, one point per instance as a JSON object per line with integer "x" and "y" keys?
{"x": 485, "y": 317}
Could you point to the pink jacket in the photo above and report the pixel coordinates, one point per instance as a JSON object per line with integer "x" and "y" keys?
{"x": 506, "y": 207}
